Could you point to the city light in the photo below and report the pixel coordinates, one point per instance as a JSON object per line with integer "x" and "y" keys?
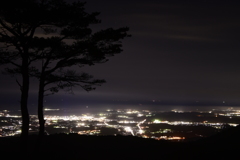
{"x": 129, "y": 129}
{"x": 122, "y": 122}
{"x": 140, "y": 130}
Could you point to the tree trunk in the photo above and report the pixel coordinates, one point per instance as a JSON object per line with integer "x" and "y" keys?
{"x": 24, "y": 98}
{"x": 40, "y": 107}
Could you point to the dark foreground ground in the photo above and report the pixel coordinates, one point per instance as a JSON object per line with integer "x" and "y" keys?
{"x": 225, "y": 145}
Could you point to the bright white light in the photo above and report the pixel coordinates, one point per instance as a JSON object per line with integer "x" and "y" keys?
{"x": 233, "y": 125}
{"x": 106, "y": 123}
{"x": 140, "y": 130}
{"x": 156, "y": 121}
{"x": 129, "y": 129}
{"x": 81, "y": 124}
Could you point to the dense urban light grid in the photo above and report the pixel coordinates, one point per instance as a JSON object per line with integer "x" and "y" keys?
{"x": 188, "y": 125}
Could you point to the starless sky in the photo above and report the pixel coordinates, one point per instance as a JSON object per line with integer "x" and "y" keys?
{"x": 180, "y": 52}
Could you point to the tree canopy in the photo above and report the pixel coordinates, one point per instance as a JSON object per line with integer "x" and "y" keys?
{"x": 46, "y": 38}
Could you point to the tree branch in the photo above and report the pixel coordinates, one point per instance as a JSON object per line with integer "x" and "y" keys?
{"x": 8, "y": 28}
{"x": 19, "y": 84}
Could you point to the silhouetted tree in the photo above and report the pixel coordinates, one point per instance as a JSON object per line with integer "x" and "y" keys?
{"x": 61, "y": 80}
{"x": 58, "y": 37}
{"x": 17, "y": 29}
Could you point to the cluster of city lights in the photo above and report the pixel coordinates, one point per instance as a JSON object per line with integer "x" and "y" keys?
{"x": 126, "y": 122}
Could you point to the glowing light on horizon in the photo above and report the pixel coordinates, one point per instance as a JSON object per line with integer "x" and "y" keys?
{"x": 49, "y": 109}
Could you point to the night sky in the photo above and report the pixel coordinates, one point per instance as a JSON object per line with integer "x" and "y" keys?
{"x": 179, "y": 54}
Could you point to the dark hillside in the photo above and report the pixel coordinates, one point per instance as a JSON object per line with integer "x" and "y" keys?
{"x": 60, "y": 146}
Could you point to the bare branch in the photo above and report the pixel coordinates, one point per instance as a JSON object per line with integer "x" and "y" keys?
{"x": 8, "y": 28}
{"x": 19, "y": 84}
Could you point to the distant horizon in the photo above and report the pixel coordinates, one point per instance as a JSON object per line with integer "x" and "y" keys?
{"x": 98, "y": 109}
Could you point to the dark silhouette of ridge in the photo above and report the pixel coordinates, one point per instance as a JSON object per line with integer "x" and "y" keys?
{"x": 223, "y": 145}
{"x": 231, "y": 135}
